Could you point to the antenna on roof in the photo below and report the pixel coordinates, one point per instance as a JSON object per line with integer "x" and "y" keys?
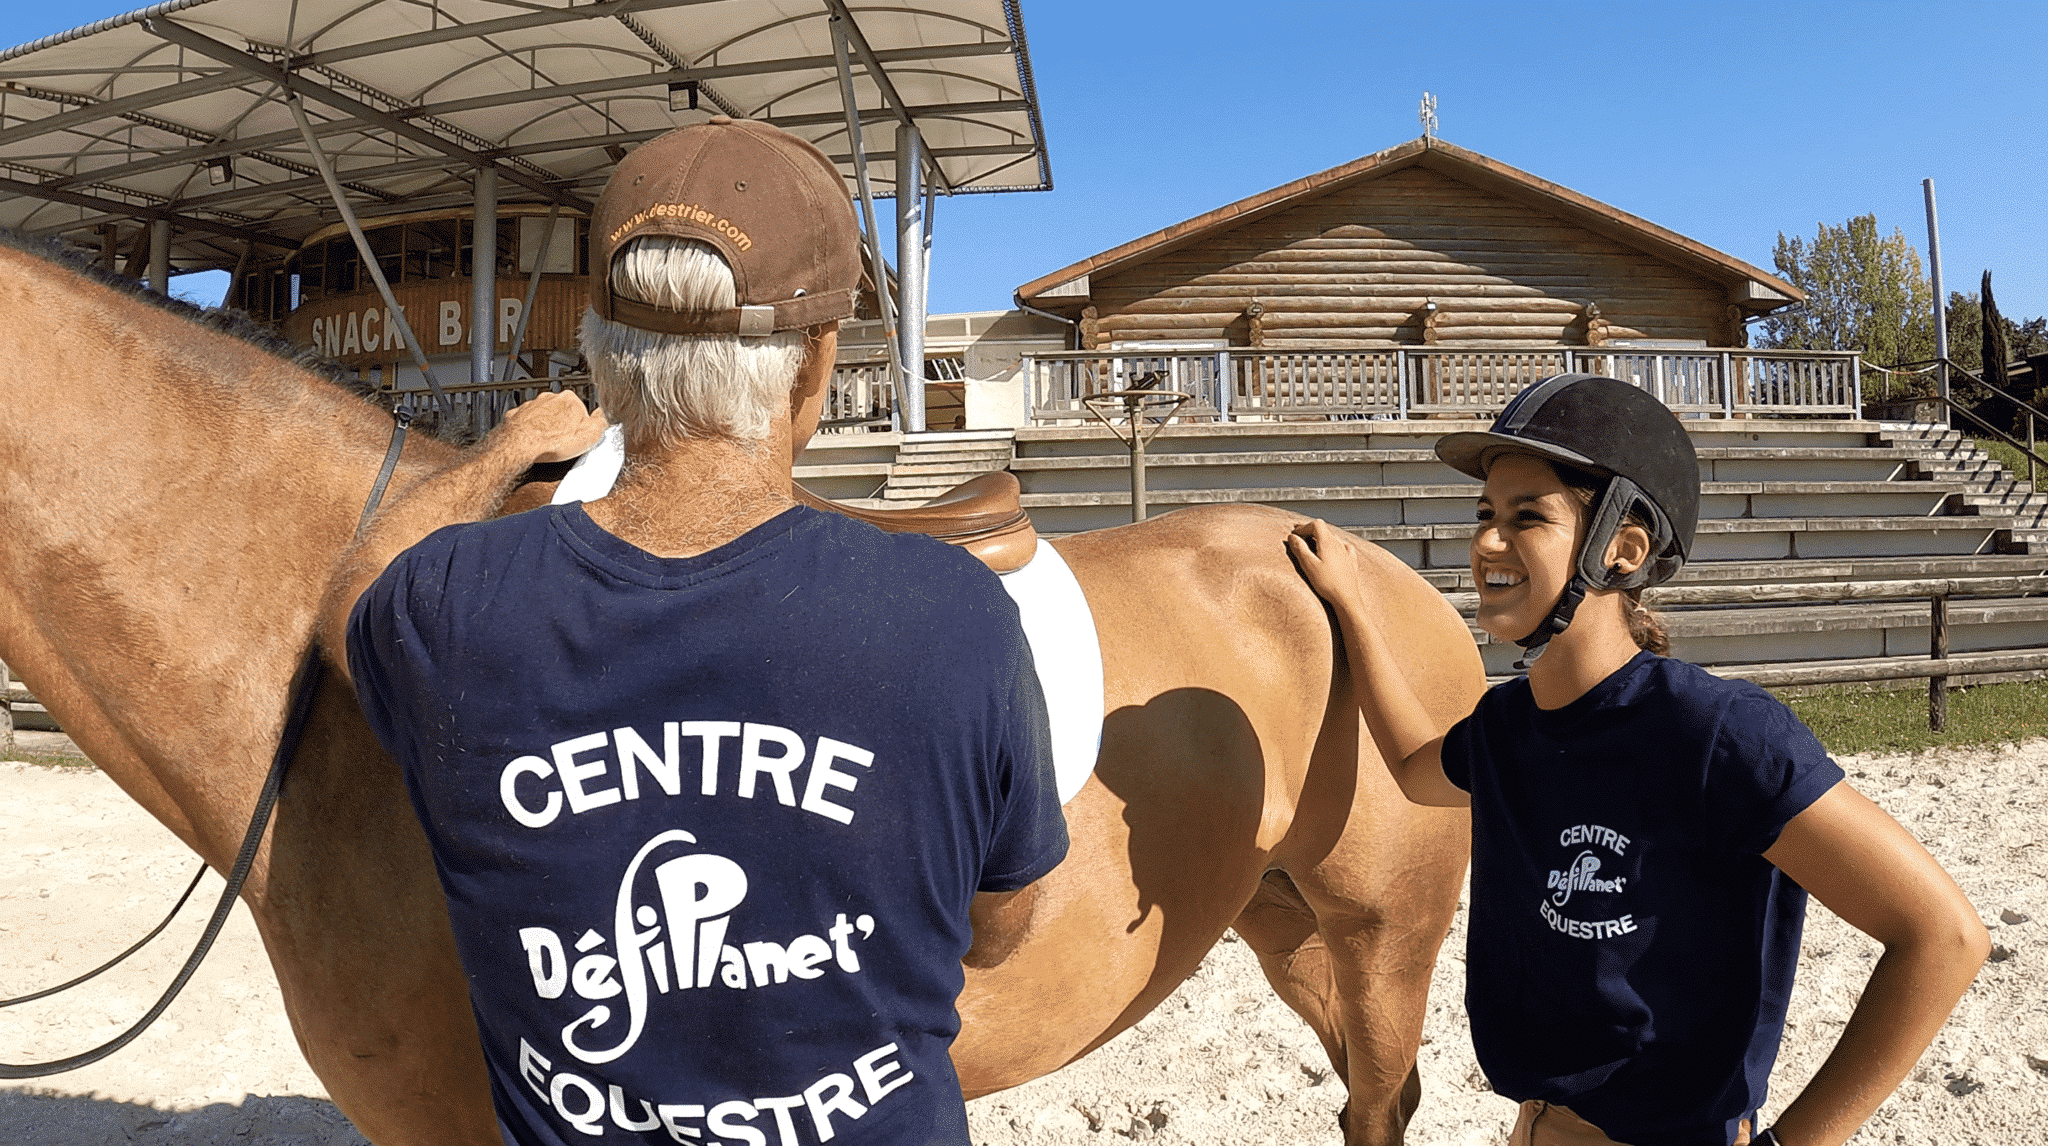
{"x": 1428, "y": 116}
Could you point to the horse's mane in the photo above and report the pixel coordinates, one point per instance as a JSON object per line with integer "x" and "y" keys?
{"x": 233, "y": 323}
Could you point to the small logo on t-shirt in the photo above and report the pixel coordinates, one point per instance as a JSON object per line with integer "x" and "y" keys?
{"x": 1582, "y": 875}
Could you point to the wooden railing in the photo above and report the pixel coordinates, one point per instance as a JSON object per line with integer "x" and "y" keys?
{"x": 1236, "y": 384}
{"x": 860, "y": 396}
{"x": 478, "y": 408}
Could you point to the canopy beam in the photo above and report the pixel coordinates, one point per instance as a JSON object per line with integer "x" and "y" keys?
{"x": 290, "y": 82}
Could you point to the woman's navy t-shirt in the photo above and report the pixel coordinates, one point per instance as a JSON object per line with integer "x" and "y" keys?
{"x": 709, "y": 827}
{"x": 1631, "y": 952}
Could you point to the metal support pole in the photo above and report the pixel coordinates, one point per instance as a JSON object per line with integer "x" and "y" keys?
{"x": 160, "y": 256}
{"x": 856, "y": 139}
{"x": 392, "y": 311}
{"x": 547, "y": 237}
{"x": 1937, "y": 649}
{"x": 1940, "y": 299}
{"x": 910, "y": 281}
{"x": 6, "y": 716}
{"x": 1134, "y": 402}
{"x": 227, "y": 298}
{"x": 1138, "y": 508}
{"x": 483, "y": 278}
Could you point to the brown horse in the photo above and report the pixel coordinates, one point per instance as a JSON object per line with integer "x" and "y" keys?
{"x": 171, "y": 498}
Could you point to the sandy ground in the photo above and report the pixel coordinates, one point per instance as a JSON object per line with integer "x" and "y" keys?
{"x": 83, "y": 872}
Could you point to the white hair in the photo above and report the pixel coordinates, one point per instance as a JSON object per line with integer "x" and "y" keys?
{"x": 682, "y": 386}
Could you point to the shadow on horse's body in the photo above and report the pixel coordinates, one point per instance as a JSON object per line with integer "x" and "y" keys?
{"x": 171, "y": 500}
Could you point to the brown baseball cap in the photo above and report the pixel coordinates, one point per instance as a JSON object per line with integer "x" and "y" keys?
{"x": 771, "y": 203}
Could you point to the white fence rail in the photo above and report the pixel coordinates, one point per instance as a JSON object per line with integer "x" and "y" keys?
{"x": 859, "y": 396}
{"x": 1400, "y": 382}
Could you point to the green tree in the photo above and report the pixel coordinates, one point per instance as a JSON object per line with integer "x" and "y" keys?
{"x": 1863, "y": 292}
{"x": 1966, "y": 333}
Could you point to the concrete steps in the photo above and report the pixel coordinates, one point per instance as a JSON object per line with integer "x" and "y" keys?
{"x": 1889, "y": 508}
{"x": 851, "y": 466}
{"x": 930, "y": 464}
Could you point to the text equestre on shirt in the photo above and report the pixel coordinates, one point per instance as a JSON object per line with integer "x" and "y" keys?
{"x": 683, "y": 946}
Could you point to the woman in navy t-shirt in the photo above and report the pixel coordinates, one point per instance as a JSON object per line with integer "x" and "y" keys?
{"x": 1644, "y": 833}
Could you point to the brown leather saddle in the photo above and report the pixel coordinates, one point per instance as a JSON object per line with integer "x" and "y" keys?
{"x": 983, "y": 515}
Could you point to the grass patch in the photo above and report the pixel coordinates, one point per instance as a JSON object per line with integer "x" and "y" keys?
{"x": 1849, "y": 721}
{"x": 2014, "y": 462}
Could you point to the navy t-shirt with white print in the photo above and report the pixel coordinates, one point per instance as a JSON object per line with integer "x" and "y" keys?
{"x": 709, "y": 827}
{"x": 1631, "y": 952}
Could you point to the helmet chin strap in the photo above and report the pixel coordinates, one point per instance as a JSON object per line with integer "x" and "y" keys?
{"x": 1602, "y": 524}
{"x": 1557, "y": 621}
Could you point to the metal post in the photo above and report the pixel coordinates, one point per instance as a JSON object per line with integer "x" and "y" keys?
{"x": 160, "y": 256}
{"x": 547, "y": 238}
{"x": 392, "y": 311}
{"x": 857, "y": 140}
{"x": 1940, "y": 299}
{"x": 910, "y": 281}
{"x": 6, "y": 716}
{"x": 1133, "y": 406}
{"x": 483, "y": 278}
{"x": 1937, "y": 649}
{"x": 227, "y": 298}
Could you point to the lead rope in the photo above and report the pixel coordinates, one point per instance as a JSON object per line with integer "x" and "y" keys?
{"x": 298, "y": 707}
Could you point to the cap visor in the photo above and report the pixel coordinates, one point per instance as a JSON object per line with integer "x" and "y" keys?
{"x": 1469, "y": 452}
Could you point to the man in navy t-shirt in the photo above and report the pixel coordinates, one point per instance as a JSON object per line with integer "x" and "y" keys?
{"x": 715, "y": 783}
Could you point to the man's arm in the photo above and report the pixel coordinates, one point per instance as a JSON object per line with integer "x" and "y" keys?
{"x": 551, "y": 428}
{"x": 1870, "y": 871}
{"x": 1405, "y": 733}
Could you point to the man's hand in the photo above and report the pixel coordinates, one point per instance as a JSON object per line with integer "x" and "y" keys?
{"x": 551, "y": 428}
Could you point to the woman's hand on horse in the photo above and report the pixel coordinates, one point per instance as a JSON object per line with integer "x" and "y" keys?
{"x": 553, "y": 427}
{"x": 1326, "y": 560}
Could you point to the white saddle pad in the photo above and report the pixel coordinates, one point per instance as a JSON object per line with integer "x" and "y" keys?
{"x": 1054, "y": 612}
{"x": 1062, "y": 635}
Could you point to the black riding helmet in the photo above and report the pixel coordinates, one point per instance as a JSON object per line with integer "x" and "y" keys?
{"x": 1614, "y": 431}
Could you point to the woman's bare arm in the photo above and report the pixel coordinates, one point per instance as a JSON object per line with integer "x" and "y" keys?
{"x": 1870, "y": 871}
{"x": 1406, "y": 735}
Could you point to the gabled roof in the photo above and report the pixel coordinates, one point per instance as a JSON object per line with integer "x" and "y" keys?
{"x": 1749, "y": 287}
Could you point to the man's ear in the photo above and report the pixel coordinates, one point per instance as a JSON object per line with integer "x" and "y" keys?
{"x": 821, "y": 348}
{"x": 1629, "y": 550}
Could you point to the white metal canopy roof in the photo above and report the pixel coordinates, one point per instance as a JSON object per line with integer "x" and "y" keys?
{"x": 177, "y": 110}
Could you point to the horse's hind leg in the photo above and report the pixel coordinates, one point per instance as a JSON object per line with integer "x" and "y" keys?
{"x": 1281, "y": 930}
{"x": 1348, "y": 933}
{"x": 1363, "y": 994}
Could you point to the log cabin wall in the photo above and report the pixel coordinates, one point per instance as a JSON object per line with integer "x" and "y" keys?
{"x": 1357, "y": 267}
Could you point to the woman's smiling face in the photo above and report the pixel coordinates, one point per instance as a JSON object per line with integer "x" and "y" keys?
{"x": 1526, "y": 545}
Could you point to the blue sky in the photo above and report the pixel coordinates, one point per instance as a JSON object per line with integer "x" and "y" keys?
{"x": 1726, "y": 124}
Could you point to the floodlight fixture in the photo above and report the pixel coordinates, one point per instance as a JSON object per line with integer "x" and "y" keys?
{"x": 682, "y": 96}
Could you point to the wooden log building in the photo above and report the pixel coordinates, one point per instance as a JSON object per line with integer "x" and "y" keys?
{"x": 1419, "y": 245}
